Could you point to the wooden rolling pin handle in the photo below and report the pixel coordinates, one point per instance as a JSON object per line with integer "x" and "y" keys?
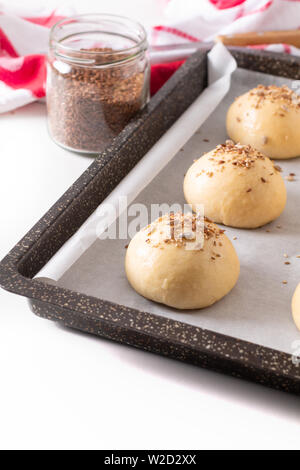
{"x": 271, "y": 37}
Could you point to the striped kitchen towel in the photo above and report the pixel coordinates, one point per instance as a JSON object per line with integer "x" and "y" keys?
{"x": 24, "y": 38}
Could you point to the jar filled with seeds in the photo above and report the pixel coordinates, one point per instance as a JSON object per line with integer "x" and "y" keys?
{"x": 97, "y": 80}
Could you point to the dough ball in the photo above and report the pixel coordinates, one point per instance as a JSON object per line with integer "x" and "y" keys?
{"x": 296, "y": 307}
{"x": 237, "y": 185}
{"x": 179, "y": 262}
{"x": 267, "y": 118}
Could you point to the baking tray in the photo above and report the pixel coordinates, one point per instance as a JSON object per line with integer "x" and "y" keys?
{"x": 144, "y": 330}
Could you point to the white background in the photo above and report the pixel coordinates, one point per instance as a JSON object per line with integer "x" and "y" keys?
{"x": 65, "y": 390}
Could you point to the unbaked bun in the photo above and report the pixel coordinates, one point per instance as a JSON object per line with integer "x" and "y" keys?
{"x": 237, "y": 185}
{"x": 296, "y": 307}
{"x": 165, "y": 262}
{"x": 268, "y": 118}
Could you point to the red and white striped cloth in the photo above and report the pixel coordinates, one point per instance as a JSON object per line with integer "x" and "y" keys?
{"x": 24, "y": 38}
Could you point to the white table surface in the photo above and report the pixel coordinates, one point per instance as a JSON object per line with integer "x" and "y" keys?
{"x": 64, "y": 390}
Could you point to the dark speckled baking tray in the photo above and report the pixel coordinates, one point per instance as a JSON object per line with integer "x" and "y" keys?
{"x": 119, "y": 323}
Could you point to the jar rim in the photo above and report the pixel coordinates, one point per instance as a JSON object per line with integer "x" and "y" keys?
{"x": 140, "y": 45}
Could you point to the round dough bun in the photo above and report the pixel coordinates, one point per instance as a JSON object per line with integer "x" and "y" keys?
{"x": 296, "y": 307}
{"x": 237, "y": 185}
{"x": 173, "y": 266}
{"x": 267, "y": 118}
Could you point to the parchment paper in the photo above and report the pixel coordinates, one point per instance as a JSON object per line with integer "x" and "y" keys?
{"x": 259, "y": 307}
{"x": 221, "y": 65}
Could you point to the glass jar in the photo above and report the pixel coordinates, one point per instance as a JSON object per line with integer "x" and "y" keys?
{"x": 98, "y": 79}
